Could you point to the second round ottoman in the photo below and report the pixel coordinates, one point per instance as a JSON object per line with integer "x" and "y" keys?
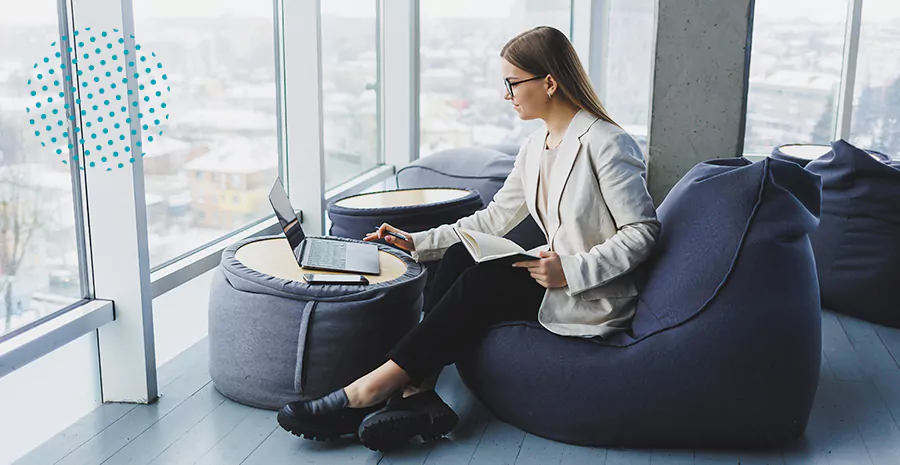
{"x": 411, "y": 210}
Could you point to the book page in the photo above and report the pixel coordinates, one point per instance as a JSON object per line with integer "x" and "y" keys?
{"x": 488, "y": 245}
{"x": 472, "y": 244}
{"x": 469, "y": 243}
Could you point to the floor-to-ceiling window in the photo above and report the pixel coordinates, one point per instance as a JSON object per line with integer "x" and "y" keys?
{"x": 801, "y": 51}
{"x": 461, "y": 98}
{"x": 876, "y": 95}
{"x": 210, "y": 172}
{"x": 350, "y": 89}
{"x": 626, "y": 78}
{"x": 39, "y": 261}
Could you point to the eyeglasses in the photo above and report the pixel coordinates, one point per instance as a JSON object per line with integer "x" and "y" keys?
{"x": 510, "y": 85}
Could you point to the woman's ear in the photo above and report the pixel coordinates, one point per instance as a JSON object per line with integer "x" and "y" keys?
{"x": 551, "y": 84}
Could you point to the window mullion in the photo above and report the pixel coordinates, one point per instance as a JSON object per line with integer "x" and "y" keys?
{"x": 117, "y": 216}
{"x": 848, "y": 73}
{"x": 305, "y": 171}
{"x": 399, "y": 81}
{"x": 82, "y": 240}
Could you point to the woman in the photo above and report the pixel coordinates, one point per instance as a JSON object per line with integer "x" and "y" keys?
{"x": 582, "y": 177}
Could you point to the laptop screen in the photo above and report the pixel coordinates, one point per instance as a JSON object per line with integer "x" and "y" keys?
{"x": 290, "y": 224}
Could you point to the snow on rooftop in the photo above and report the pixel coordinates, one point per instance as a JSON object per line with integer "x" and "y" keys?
{"x": 238, "y": 155}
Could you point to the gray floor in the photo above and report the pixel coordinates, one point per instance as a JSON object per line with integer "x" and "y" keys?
{"x": 854, "y": 421}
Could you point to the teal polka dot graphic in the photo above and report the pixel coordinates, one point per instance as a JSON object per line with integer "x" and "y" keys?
{"x": 89, "y": 67}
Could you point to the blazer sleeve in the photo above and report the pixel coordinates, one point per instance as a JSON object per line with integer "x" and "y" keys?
{"x": 622, "y": 176}
{"x": 504, "y": 212}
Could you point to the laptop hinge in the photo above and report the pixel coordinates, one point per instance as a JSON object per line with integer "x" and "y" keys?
{"x": 302, "y": 247}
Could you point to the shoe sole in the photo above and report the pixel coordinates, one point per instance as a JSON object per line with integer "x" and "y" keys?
{"x": 394, "y": 429}
{"x": 291, "y": 425}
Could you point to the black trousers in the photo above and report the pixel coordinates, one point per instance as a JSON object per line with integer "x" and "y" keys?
{"x": 462, "y": 300}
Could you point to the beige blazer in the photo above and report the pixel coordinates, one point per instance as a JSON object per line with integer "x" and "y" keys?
{"x": 606, "y": 224}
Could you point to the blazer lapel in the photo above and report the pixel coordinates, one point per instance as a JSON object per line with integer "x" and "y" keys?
{"x": 562, "y": 166}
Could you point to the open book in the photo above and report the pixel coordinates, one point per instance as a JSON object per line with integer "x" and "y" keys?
{"x": 485, "y": 247}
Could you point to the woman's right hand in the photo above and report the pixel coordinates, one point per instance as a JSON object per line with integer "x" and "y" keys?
{"x": 381, "y": 234}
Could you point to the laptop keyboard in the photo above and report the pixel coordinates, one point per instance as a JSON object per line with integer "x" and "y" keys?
{"x": 327, "y": 254}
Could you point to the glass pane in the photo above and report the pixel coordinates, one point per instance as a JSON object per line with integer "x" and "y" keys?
{"x": 211, "y": 171}
{"x": 39, "y": 271}
{"x": 461, "y": 99}
{"x": 876, "y": 102}
{"x": 795, "y": 72}
{"x": 628, "y": 74}
{"x": 349, "y": 89}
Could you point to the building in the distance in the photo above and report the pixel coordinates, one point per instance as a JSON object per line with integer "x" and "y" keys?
{"x": 230, "y": 183}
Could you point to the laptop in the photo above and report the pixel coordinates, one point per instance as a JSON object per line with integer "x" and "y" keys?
{"x": 316, "y": 253}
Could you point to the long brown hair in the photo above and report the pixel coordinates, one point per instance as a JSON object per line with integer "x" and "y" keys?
{"x": 545, "y": 50}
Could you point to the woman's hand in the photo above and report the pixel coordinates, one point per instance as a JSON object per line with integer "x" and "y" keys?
{"x": 547, "y": 271}
{"x": 382, "y": 234}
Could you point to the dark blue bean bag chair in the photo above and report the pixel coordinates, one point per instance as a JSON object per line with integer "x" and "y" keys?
{"x": 725, "y": 346}
{"x": 857, "y": 245}
{"x": 802, "y": 154}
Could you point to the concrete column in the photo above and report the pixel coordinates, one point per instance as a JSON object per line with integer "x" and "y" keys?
{"x": 699, "y": 96}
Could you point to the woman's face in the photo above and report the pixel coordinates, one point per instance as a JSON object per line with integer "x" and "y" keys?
{"x": 529, "y": 99}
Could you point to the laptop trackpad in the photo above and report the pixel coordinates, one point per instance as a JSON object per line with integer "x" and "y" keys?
{"x": 363, "y": 258}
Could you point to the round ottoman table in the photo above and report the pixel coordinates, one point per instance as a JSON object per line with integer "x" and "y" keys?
{"x": 802, "y": 154}
{"x": 274, "y": 339}
{"x": 411, "y": 210}
{"x": 408, "y": 209}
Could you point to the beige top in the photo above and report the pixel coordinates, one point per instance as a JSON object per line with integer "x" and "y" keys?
{"x": 547, "y": 158}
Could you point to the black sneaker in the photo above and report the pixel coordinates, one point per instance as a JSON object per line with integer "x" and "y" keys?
{"x": 423, "y": 414}
{"x": 325, "y": 418}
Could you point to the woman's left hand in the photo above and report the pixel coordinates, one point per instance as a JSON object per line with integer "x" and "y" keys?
{"x": 547, "y": 271}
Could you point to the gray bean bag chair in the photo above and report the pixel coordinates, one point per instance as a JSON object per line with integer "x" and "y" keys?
{"x": 725, "y": 347}
{"x": 273, "y": 341}
{"x": 857, "y": 245}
